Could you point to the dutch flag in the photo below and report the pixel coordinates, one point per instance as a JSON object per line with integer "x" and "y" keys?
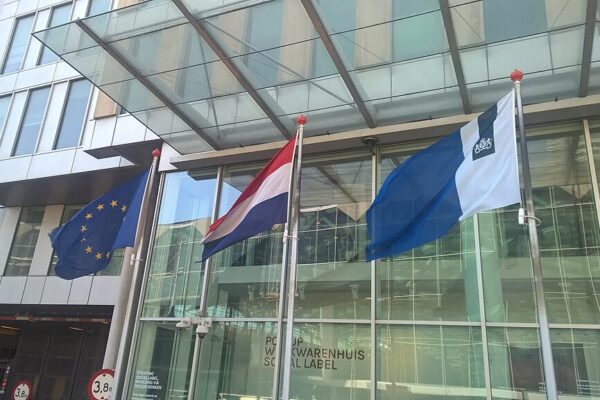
{"x": 259, "y": 207}
{"x": 471, "y": 170}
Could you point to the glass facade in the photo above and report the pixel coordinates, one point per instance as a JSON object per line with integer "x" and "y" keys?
{"x": 24, "y": 241}
{"x": 74, "y": 114}
{"x": 31, "y": 124}
{"x": 455, "y": 318}
{"x": 465, "y": 49}
{"x": 59, "y": 15}
{"x": 18, "y": 44}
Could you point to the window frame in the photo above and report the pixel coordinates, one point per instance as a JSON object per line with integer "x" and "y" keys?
{"x": 39, "y": 62}
{"x": 62, "y": 116}
{"x": 22, "y": 119}
{"x": 14, "y": 237}
{"x": 13, "y": 30}
{"x": 89, "y": 6}
{"x": 8, "y": 109}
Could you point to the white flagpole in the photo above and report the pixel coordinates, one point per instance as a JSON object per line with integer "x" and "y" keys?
{"x": 284, "y": 259}
{"x": 291, "y": 290}
{"x": 128, "y": 299}
{"x": 545, "y": 344}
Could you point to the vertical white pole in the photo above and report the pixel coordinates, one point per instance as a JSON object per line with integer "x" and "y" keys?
{"x": 137, "y": 265}
{"x": 283, "y": 278}
{"x": 294, "y": 222}
{"x": 545, "y": 344}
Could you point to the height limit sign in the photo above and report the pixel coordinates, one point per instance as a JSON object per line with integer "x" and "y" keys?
{"x": 22, "y": 390}
{"x": 100, "y": 385}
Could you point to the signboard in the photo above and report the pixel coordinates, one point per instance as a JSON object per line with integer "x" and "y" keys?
{"x": 146, "y": 386}
{"x": 100, "y": 385}
{"x": 22, "y": 390}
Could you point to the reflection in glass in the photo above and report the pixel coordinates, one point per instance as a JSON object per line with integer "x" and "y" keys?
{"x": 4, "y": 102}
{"x": 98, "y": 6}
{"x": 73, "y": 116}
{"x": 162, "y": 362}
{"x": 427, "y": 362}
{"x": 509, "y": 290}
{"x": 576, "y": 362}
{"x": 24, "y": 242}
{"x": 18, "y": 44}
{"x": 515, "y": 362}
{"x": 569, "y": 234}
{"x": 175, "y": 272}
{"x": 436, "y": 281}
{"x": 513, "y": 18}
{"x": 31, "y": 124}
{"x": 236, "y": 362}
{"x": 334, "y": 279}
{"x": 244, "y": 280}
{"x": 59, "y": 15}
{"x": 331, "y": 361}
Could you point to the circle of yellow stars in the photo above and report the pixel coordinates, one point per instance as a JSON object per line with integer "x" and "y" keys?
{"x": 90, "y": 215}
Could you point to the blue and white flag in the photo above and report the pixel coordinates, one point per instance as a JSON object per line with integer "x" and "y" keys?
{"x": 471, "y": 170}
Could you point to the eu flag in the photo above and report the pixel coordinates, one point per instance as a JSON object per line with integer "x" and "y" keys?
{"x": 85, "y": 243}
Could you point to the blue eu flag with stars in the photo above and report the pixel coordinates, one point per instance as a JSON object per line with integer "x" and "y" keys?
{"x": 85, "y": 243}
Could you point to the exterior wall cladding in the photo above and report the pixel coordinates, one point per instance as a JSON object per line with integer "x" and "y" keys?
{"x": 455, "y": 318}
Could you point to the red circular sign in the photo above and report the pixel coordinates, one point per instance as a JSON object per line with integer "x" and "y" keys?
{"x": 101, "y": 384}
{"x": 22, "y": 390}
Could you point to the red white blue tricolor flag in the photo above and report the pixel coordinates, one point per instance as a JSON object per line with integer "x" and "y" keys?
{"x": 263, "y": 204}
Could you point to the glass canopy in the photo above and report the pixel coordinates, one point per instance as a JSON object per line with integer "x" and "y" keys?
{"x": 217, "y": 74}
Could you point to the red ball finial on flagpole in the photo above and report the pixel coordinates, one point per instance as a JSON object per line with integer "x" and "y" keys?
{"x": 301, "y": 119}
{"x": 156, "y": 153}
{"x": 516, "y": 75}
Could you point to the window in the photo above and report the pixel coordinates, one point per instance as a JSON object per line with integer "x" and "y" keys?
{"x": 23, "y": 246}
{"x": 73, "y": 114}
{"x": 60, "y": 15}
{"x": 18, "y": 44}
{"x": 4, "y": 102}
{"x": 98, "y": 7}
{"x": 32, "y": 121}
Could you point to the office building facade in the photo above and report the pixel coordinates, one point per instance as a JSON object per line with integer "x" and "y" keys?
{"x": 218, "y": 86}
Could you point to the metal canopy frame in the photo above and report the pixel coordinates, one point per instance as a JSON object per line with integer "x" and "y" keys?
{"x": 241, "y": 78}
{"x": 454, "y": 53}
{"x": 209, "y": 34}
{"x": 588, "y": 41}
{"x": 314, "y": 17}
{"x": 146, "y": 83}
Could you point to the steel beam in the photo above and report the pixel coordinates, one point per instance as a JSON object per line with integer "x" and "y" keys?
{"x": 241, "y": 78}
{"x": 146, "y": 83}
{"x": 588, "y": 42}
{"x": 314, "y": 17}
{"x": 454, "y": 53}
